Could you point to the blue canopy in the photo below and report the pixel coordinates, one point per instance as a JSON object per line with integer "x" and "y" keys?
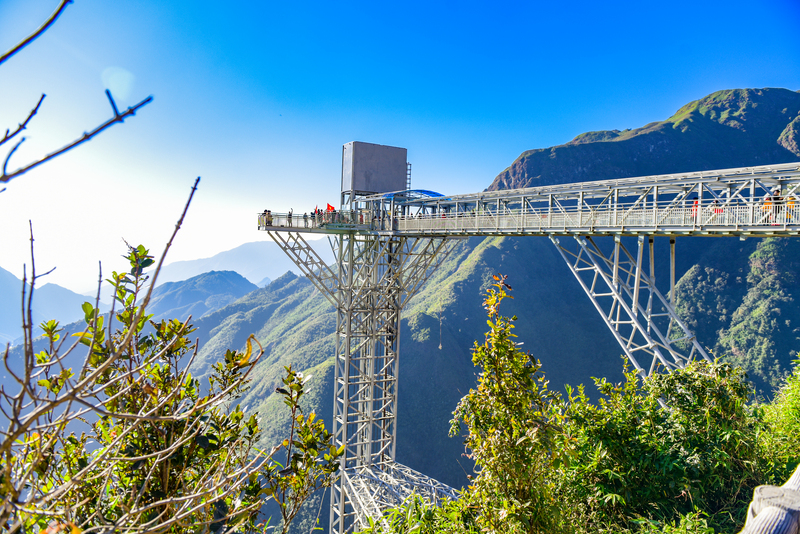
{"x": 412, "y": 194}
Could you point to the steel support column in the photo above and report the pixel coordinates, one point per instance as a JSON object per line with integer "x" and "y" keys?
{"x": 375, "y": 276}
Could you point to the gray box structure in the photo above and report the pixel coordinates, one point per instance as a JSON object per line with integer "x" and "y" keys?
{"x": 368, "y": 168}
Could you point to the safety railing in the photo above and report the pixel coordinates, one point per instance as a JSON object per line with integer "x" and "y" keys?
{"x": 653, "y": 218}
{"x": 775, "y": 509}
{"x": 622, "y": 216}
{"x": 363, "y": 219}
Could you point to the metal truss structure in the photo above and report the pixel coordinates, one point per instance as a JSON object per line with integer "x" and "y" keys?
{"x": 373, "y": 279}
{"x": 387, "y": 245}
{"x": 709, "y": 203}
{"x": 374, "y": 489}
{"x": 641, "y": 319}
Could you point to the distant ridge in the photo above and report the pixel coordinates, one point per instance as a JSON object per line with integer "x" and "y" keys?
{"x": 50, "y": 301}
{"x": 199, "y": 295}
{"x": 255, "y": 261}
{"x": 732, "y": 128}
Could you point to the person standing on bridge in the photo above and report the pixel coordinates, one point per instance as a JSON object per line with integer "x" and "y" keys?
{"x": 777, "y": 202}
{"x": 289, "y": 218}
{"x": 305, "y": 220}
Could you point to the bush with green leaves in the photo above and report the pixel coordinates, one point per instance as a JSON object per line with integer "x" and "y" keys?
{"x": 417, "y": 516}
{"x": 312, "y": 459}
{"x": 782, "y": 415}
{"x": 511, "y": 422}
{"x": 678, "y": 452}
{"x": 132, "y": 442}
{"x": 627, "y": 458}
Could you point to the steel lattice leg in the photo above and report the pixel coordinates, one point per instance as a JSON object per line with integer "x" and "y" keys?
{"x": 376, "y": 276}
{"x": 641, "y": 319}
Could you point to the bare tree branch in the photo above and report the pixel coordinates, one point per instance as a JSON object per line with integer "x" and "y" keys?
{"x": 23, "y": 124}
{"x": 37, "y": 33}
{"x": 118, "y": 117}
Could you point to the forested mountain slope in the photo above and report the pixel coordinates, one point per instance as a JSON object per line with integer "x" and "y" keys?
{"x": 739, "y": 296}
{"x": 198, "y": 295}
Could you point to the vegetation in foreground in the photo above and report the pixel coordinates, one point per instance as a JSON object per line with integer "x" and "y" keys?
{"x": 130, "y": 442}
{"x": 549, "y": 463}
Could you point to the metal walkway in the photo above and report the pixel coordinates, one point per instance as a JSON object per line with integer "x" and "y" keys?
{"x": 719, "y": 203}
{"x": 387, "y": 246}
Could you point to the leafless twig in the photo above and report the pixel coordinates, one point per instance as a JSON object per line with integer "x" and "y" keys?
{"x": 37, "y": 33}
{"x": 118, "y": 117}
{"x": 9, "y": 134}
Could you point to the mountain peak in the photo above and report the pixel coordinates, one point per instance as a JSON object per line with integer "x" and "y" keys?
{"x": 744, "y": 108}
{"x": 199, "y": 295}
{"x": 726, "y": 129}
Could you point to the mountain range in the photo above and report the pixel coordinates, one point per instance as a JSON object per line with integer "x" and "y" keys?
{"x": 256, "y": 263}
{"x": 50, "y": 301}
{"x": 727, "y": 129}
{"x": 259, "y": 262}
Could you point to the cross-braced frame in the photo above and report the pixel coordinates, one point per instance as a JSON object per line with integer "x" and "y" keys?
{"x": 376, "y": 276}
{"x": 387, "y": 245}
{"x": 373, "y": 278}
{"x": 643, "y": 321}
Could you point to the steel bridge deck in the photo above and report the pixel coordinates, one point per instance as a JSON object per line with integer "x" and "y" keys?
{"x": 728, "y": 203}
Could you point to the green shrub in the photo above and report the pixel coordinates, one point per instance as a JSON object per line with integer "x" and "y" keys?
{"x": 629, "y": 458}
{"x": 677, "y": 453}
{"x": 782, "y": 415}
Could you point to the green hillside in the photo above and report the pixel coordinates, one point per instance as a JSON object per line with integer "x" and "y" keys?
{"x": 737, "y": 295}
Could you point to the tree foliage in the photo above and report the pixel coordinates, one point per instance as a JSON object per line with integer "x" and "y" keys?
{"x": 510, "y": 428}
{"x": 132, "y": 442}
{"x": 312, "y": 459}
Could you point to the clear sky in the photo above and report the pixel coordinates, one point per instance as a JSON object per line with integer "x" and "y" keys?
{"x": 258, "y": 97}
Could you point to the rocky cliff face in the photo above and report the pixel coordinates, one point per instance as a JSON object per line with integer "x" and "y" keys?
{"x": 733, "y": 128}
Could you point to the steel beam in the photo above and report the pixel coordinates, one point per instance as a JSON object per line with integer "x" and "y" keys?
{"x": 374, "y": 277}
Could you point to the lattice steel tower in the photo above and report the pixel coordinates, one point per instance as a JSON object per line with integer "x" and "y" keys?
{"x": 374, "y": 276}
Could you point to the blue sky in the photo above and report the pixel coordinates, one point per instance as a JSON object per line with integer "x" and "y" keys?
{"x": 258, "y": 97}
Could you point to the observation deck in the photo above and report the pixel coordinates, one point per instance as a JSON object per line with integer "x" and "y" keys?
{"x": 730, "y": 202}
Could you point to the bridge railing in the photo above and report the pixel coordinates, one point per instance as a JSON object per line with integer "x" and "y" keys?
{"x": 621, "y": 216}
{"x": 360, "y": 218}
{"x": 655, "y": 216}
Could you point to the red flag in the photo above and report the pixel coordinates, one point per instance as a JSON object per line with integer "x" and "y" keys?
{"x": 331, "y": 208}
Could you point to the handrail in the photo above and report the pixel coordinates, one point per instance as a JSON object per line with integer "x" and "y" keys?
{"x": 775, "y": 509}
{"x": 655, "y": 217}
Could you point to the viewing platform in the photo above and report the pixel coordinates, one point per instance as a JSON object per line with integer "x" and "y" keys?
{"x": 390, "y": 239}
{"x": 752, "y": 201}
